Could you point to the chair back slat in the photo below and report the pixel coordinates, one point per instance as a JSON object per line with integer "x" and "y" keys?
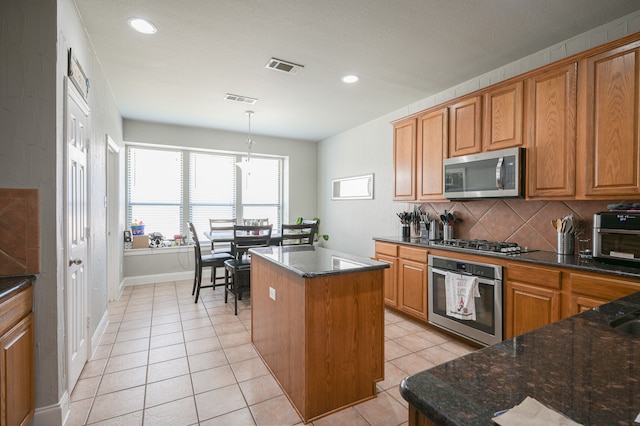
{"x": 297, "y": 234}
{"x": 250, "y": 236}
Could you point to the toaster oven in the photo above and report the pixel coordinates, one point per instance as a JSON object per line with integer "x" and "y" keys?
{"x": 616, "y": 237}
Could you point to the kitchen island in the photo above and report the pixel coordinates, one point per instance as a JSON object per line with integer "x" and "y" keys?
{"x": 317, "y": 321}
{"x": 579, "y": 366}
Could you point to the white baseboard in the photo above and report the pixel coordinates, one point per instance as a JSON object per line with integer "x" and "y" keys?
{"x": 52, "y": 415}
{"x": 162, "y": 278}
{"x": 97, "y": 335}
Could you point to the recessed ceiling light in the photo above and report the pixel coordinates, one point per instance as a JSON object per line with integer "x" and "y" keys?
{"x": 350, "y": 78}
{"x": 142, "y": 25}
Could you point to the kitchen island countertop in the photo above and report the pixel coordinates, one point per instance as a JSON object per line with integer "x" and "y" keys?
{"x": 309, "y": 261}
{"x": 579, "y": 366}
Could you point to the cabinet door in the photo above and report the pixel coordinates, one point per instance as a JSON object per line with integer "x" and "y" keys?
{"x": 17, "y": 386}
{"x": 532, "y": 307}
{"x": 412, "y": 287}
{"x": 465, "y": 127}
{"x": 404, "y": 160}
{"x": 611, "y": 142}
{"x": 503, "y": 112}
{"x": 591, "y": 290}
{"x": 432, "y": 150}
{"x": 551, "y": 133}
{"x": 532, "y": 299}
{"x": 390, "y": 285}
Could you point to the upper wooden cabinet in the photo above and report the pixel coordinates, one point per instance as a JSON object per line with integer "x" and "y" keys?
{"x": 465, "y": 127}
{"x": 551, "y": 133}
{"x": 503, "y": 113}
{"x": 432, "y": 143}
{"x": 611, "y": 143}
{"x": 404, "y": 160}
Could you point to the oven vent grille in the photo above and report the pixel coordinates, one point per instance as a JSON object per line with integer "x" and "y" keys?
{"x": 283, "y": 66}
{"x": 238, "y": 98}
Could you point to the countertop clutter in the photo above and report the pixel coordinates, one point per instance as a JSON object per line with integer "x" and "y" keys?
{"x": 538, "y": 257}
{"x": 579, "y": 366}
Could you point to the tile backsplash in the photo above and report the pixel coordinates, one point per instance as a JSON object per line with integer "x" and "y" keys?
{"x": 20, "y": 225}
{"x": 525, "y": 222}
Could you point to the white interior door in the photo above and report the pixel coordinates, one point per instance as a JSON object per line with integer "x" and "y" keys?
{"x": 76, "y": 145}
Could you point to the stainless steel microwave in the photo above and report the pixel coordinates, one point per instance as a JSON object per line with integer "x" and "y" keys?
{"x": 494, "y": 174}
{"x": 616, "y": 237}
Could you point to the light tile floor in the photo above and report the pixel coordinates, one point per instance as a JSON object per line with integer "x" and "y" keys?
{"x": 165, "y": 360}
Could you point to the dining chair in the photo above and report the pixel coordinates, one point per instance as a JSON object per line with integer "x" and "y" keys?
{"x": 221, "y": 227}
{"x": 238, "y": 269}
{"x": 297, "y": 234}
{"x": 213, "y": 260}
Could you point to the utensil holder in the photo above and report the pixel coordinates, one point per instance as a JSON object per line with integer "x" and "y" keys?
{"x": 566, "y": 243}
{"x": 434, "y": 230}
{"x": 406, "y": 231}
{"x": 447, "y": 232}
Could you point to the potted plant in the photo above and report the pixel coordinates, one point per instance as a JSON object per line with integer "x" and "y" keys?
{"x": 316, "y": 220}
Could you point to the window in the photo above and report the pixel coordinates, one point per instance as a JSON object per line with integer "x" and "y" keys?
{"x": 166, "y": 188}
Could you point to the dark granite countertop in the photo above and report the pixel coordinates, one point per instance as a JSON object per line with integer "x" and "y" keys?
{"x": 579, "y": 366}
{"x": 12, "y": 284}
{"x": 538, "y": 257}
{"x": 309, "y": 261}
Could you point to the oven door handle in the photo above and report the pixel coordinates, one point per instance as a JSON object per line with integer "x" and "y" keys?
{"x": 481, "y": 280}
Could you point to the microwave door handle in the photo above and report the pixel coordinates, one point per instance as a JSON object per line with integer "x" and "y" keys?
{"x": 499, "y": 183}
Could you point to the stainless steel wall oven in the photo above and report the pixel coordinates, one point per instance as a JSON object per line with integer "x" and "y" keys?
{"x": 486, "y": 328}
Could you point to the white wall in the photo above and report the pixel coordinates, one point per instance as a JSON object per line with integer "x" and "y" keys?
{"x": 368, "y": 148}
{"x": 35, "y": 36}
{"x": 301, "y": 192}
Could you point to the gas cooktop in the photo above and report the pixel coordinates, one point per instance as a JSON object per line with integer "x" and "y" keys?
{"x": 502, "y": 247}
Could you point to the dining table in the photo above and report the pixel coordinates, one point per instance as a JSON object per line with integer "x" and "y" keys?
{"x": 227, "y": 237}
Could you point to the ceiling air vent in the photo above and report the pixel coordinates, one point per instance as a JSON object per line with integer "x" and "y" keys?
{"x": 238, "y": 98}
{"x": 284, "y": 66}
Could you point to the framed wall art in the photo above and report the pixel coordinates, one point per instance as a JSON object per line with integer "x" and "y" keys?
{"x": 77, "y": 75}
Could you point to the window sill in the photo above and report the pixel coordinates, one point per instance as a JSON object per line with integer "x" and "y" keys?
{"x": 156, "y": 250}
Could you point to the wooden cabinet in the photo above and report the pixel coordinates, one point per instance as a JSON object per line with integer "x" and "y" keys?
{"x": 503, "y": 114}
{"x": 533, "y": 298}
{"x": 387, "y": 252}
{"x": 322, "y": 337}
{"x": 465, "y": 127}
{"x": 432, "y": 145}
{"x": 404, "y": 160}
{"x": 551, "y": 133}
{"x": 611, "y": 143}
{"x": 17, "y": 380}
{"x": 589, "y": 290}
{"x": 412, "y": 281}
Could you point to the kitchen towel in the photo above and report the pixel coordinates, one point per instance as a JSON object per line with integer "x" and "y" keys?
{"x": 461, "y": 291}
{"x": 530, "y": 412}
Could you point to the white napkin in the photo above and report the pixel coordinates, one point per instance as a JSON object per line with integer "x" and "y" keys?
{"x": 530, "y": 412}
{"x": 460, "y": 291}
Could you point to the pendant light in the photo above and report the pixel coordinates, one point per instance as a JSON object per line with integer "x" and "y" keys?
{"x": 245, "y": 164}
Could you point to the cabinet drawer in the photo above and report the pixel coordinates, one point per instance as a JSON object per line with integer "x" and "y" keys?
{"x": 387, "y": 248}
{"x": 413, "y": 253}
{"x": 15, "y": 307}
{"x": 544, "y": 277}
{"x": 601, "y": 287}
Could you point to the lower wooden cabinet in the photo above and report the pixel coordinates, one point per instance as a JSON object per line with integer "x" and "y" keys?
{"x": 17, "y": 382}
{"x": 590, "y": 290}
{"x": 386, "y": 252}
{"x": 533, "y": 298}
{"x": 412, "y": 281}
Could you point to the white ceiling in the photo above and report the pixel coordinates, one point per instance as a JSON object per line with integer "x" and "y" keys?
{"x": 403, "y": 51}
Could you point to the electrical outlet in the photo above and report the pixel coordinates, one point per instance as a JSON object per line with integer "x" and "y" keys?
{"x": 272, "y": 293}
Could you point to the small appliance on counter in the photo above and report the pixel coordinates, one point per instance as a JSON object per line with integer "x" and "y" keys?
{"x": 616, "y": 236}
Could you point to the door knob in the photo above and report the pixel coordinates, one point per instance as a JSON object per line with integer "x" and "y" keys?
{"x": 77, "y": 261}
